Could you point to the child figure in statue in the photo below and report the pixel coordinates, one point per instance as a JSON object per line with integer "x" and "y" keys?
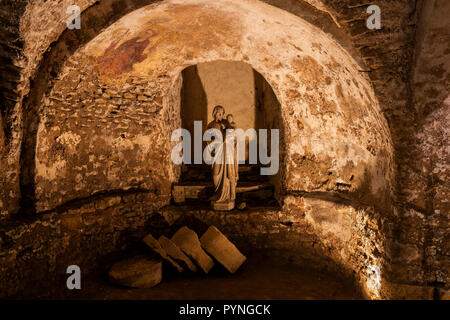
{"x": 230, "y": 124}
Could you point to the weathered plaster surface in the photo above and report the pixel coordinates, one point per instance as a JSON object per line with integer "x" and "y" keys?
{"x": 37, "y": 42}
{"x": 336, "y": 138}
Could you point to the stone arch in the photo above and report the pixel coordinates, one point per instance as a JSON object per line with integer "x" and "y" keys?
{"x": 56, "y": 44}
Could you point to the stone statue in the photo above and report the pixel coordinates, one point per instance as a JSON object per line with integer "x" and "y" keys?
{"x": 225, "y": 167}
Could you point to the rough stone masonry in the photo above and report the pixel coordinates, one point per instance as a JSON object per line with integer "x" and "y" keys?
{"x": 86, "y": 118}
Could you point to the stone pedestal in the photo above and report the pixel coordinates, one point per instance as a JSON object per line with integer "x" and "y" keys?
{"x": 222, "y": 206}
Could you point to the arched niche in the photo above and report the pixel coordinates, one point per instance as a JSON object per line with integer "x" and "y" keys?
{"x": 245, "y": 94}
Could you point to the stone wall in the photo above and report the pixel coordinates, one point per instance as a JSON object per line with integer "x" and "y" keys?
{"x": 35, "y": 252}
{"x": 105, "y": 124}
{"x": 424, "y": 236}
{"x": 31, "y": 28}
{"x": 98, "y": 136}
{"x": 33, "y": 25}
{"x": 318, "y": 130}
{"x": 331, "y": 235}
{"x": 407, "y": 66}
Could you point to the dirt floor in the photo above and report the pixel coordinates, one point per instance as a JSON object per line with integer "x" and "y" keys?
{"x": 255, "y": 280}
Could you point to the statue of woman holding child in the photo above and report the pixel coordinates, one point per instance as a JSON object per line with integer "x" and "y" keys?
{"x": 225, "y": 165}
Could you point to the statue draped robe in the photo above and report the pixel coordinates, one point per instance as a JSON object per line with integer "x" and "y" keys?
{"x": 224, "y": 166}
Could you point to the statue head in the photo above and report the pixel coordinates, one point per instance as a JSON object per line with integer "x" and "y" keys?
{"x": 218, "y": 113}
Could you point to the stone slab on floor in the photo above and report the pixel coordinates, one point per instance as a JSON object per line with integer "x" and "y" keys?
{"x": 188, "y": 241}
{"x": 137, "y": 272}
{"x": 156, "y": 247}
{"x": 176, "y": 253}
{"x": 222, "y": 249}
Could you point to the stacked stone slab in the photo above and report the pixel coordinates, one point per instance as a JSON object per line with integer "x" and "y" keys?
{"x": 188, "y": 241}
{"x": 176, "y": 253}
{"x": 137, "y": 272}
{"x": 225, "y": 252}
{"x": 146, "y": 272}
{"x": 156, "y": 247}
